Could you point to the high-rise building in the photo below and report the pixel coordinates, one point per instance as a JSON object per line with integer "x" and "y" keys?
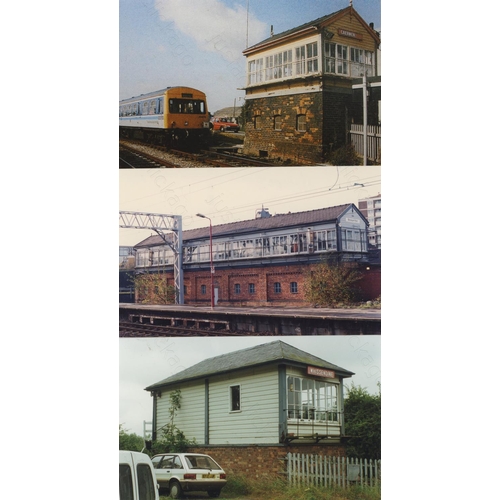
{"x": 371, "y": 208}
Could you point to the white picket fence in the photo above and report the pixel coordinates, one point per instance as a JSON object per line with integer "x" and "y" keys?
{"x": 373, "y": 142}
{"x": 330, "y": 471}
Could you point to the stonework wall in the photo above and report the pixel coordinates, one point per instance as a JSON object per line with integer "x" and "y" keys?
{"x": 282, "y": 139}
{"x": 262, "y": 461}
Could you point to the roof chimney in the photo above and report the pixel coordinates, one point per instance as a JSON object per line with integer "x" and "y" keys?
{"x": 263, "y": 213}
{"x": 272, "y": 30}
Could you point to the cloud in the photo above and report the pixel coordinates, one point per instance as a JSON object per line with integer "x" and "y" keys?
{"x": 213, "y": 25}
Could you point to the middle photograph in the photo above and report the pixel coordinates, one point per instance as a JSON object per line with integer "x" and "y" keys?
{"x": 260, "y": 251}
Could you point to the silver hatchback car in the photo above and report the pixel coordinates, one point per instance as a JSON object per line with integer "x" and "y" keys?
{"x": 180, "y": 472}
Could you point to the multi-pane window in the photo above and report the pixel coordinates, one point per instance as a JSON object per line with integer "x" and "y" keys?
{"x": 325, "y": 240}
{"x": 279, "y": 65}
{"x": 301, "y": 123}
{"x": 237, "y": 288}
{"x": 294, "y": 287}
{"x": 262, "y": 247}
{"x": 203, "y": 289}
{"x": 235, "y": 398}
{"x": 279, "y": 245}
{"x": 312, "y": 400}
{"x": 329, "y": 58}
{"x": 312, "y": 57}
{"x": 251, "y": 287}
{"x": 361, "y": 62}
{"x": 255, "y": 71}
{"x": 306, "y": 59}
{"x": 277, "y": 287}
{"x": 342, "y": 60}
{"x": 354, "y": 240}
{"x": 277, "y": 122}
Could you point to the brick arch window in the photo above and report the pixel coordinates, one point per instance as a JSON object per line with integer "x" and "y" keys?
{"x": 278, "y": 120}
{"x": 301, "y": 123}
{"x": 257, "y": 121}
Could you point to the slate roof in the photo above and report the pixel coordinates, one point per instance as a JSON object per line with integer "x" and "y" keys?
{"x": 279, "y": 221}
{"x": 286, "y": 33}
{"x": 270, "y": 353}
{"x": 316, "y": 23}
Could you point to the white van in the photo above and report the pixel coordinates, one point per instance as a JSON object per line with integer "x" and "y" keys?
{"x": 137, "y": 477}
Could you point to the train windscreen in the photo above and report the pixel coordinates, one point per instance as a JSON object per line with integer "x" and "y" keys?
{"x": 191, "y": 106}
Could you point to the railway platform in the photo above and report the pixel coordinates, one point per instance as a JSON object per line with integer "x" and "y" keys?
{"x": 256, "y": 320}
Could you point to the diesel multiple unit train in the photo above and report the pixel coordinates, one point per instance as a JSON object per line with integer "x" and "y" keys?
{"x": 171, "y": 117}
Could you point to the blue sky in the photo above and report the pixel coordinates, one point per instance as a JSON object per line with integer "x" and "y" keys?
{"x": 199, "y": 43}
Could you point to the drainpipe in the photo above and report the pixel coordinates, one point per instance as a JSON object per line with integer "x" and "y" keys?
{"x": 365, "y": 120}
{"x": 207, "y": 419}
{"x": 153, "y": 436}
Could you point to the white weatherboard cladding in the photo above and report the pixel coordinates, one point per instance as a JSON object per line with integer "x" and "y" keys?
{"x": 190, "y": 418}
{"x": 258, "y": 420}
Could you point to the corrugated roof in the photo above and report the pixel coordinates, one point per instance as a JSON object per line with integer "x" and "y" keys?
{"x": 265, "y": 224}
{"x": 246, "y": 358}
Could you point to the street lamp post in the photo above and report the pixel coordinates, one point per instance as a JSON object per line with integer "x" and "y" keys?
{"x": 212, "y": 270}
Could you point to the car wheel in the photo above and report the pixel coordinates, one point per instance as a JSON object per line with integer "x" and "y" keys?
{"x": 175, "y": 490}
{"x": 213, "y": 493}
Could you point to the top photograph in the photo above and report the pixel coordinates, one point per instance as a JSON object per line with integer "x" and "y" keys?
{"x": 242, "y": 83}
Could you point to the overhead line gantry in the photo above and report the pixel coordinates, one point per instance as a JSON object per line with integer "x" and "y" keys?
{"x": 161, "y": 223}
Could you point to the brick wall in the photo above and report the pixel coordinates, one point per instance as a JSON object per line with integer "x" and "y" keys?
{"x": 262, "y": 461}
{"x": 266, "y": 288}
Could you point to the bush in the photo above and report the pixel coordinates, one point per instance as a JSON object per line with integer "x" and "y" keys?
{"x": 344, "y": 157}
{"x": 332, "y": 285}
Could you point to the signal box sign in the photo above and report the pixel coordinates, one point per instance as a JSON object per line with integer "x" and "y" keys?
{"x": 320, "y": 372}
{"x": 350, "y": 34}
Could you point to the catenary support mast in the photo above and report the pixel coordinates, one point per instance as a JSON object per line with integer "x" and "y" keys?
{"x": 161, "y": 223}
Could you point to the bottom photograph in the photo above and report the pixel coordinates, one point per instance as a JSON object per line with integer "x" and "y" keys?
{"x": 250, "y": 418}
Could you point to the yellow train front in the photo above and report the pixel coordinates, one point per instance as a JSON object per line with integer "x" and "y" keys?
{"x": 175, "y": 117}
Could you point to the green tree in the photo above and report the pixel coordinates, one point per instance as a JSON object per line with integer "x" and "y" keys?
{"x": 332, "y": 284}
{"x": 172, "y": 439}
{"x": 362, "y": 414}
{"x": 131, "y": 442}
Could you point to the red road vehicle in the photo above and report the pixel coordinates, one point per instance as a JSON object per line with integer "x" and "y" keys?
{"x": 224, "y": 125}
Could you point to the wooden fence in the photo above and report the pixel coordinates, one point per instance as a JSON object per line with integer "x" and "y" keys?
{"x": 330, "y": 471}
{"x": 373, "y": 142}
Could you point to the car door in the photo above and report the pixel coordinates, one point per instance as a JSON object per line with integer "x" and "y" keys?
{"x": 163, "y": 469}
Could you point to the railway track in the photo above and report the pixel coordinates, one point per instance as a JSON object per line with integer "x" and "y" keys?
{"x": 130, "y": 158}
{"x": 134, "y": 154}
{"x": 128, "y": 329}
